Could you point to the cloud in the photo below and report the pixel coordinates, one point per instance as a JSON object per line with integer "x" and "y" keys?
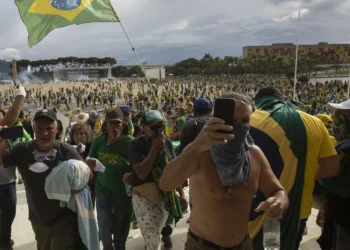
{"x": 164, "y": 31}
{"x": 10, "y": 54}
{"x": 294, "y": 15}
{"x": 179, "y": 25}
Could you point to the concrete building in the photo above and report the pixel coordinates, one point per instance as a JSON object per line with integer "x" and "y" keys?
{"x": 71, "y": 74}
{"x": 328, "y": 52}
{"x": 155, "y": 71}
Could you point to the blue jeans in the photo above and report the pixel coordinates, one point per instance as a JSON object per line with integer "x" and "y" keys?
{"x": 8, "y": 202}
{"x": 113, "y": 218}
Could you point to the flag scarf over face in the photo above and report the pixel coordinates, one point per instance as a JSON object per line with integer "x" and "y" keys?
{"x": 42, "y": 16}
{"x": 278, "y": 129}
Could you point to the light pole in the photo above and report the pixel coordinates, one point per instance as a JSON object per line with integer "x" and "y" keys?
{"x": 296, "y": 60}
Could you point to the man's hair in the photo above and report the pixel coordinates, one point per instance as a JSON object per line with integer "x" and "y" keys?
{"x": 240, "y": 98}
{"x": 269, "y": 92}
{"x": 181, "y": 110}
{"x": 202, "y": 111}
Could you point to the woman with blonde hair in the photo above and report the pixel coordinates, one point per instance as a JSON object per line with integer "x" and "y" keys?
{"x": 81, "y": 138}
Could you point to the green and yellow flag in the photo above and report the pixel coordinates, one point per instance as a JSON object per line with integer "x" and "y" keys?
{"x": 42, "y": 16}
{"x": 280, "y": 131}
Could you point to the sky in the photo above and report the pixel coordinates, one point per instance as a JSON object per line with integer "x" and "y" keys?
{"x": 167, "y": 31}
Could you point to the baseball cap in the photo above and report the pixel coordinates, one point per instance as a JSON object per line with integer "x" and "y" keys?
{"x": 152, "y": 117}
{"x": 114, "y": 114}
{"x": 341, "y": 106}
{"x": 326, "y": 120}
{"x": 94, "y": 115}
{"x": 46, "y": 113}
{"x": 125, "y": 109}
{"x": 202, "y": 103}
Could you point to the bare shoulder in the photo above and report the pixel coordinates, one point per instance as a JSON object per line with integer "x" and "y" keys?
{"x": 258, "y": 157}
{"x": 257, "y": 153}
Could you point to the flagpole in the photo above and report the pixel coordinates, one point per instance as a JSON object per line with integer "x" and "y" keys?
{"x": 141, "y": 65}
{"x": 296, "y": 60}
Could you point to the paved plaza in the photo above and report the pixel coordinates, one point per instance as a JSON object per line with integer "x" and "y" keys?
{"x": 24, "y": 237}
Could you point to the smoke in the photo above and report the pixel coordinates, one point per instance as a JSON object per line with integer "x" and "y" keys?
{"x": 80, "y": 77}
{"x": 27, "y": 77}
{"x": 10, "y": 54}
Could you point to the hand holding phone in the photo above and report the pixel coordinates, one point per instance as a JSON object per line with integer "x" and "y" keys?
{"x": 158, "y": 142}
{"x": 225, "y": 109}
{"x": 11, "y": 133}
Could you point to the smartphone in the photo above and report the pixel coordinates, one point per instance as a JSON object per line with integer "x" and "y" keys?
{"x": 158, "y": 132}
{"x": 225, "y": 110}
{"x": 11, "y": 133}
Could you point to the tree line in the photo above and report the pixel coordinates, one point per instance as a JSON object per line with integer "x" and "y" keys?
{"x": 270, "y": 66}
{"x": 70, "y": 61}
{"x": 273, "y": 66}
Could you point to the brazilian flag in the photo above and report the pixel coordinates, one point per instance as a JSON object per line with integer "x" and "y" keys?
{"x": 42, "y": 16}
{"x": 278, "y": 129}
{"x": 26, "y": 136}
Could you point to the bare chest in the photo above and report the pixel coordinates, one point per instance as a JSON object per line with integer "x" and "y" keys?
{"x": 207, "y": 180}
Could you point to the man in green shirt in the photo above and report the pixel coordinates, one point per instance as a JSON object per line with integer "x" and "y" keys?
{"x": 112, "y": 202}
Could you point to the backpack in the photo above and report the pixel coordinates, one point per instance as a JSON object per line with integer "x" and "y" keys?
{"x": 199, "y": 123}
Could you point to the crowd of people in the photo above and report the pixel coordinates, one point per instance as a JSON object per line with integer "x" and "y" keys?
{"x": 130, "y": 149}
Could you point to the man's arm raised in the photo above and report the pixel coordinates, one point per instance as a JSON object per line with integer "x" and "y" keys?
{"x": 13, "y": 112}
{"x": 185, "y": 165}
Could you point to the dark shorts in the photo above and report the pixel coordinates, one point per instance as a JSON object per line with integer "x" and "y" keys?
{"x": 62, "y": 235}
{"x": 194, "y": 242}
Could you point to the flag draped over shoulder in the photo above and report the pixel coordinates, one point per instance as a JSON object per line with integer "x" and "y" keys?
{"x": 278, "y": 129}
{"x": 42, "y": 16}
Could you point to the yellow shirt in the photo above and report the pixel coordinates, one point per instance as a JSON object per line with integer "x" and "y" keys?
{"x": 319, "y": 145}
{"x": 169, "y": 129}
{"x": 333, "y": 140}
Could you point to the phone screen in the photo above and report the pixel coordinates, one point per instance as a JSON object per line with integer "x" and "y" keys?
{"x": 225, "y": 109}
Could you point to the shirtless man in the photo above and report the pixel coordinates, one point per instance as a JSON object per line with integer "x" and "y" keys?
{"x": 220, "y": 215}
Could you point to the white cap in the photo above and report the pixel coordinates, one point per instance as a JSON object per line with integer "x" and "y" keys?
{"x": 339, "y": 106}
